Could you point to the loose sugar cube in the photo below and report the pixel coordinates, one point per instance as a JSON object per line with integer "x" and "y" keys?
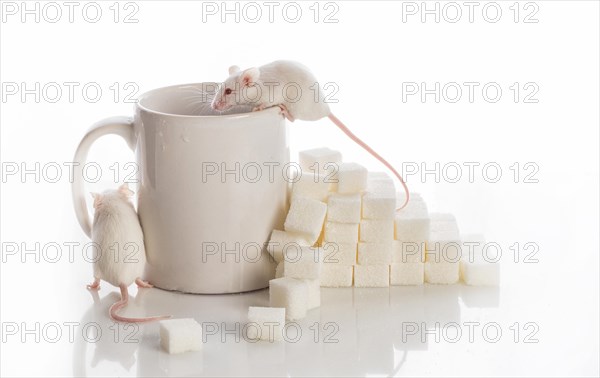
{"x": 266, "y": 323}
{"x": 407, "y": 273}
{"x": 375, "y": 253}
{"x": 372, "y": 276}
{"x": 341, "y": 232}
{"x": 377, "y": 231}
{"x": 306, "y": 217}
{"x": 352, "y": 178}
{"x": 477, "y": 266}
{"x": 311, "y": 185}
{"x": 379, "y": 205}
{"x": 322, "y": 157}
{"x": 344, "y": 208}
{"x": 180, "y": 335}
{"x": 307, "y": 264}
{"x": 408, "y": 252}
{"x": 314, "y": 293}
{"x": 279, "y": 269}
{"x": 334, "y": 275}
{"x": 413, "y": 221}
{"x": 284, "y": 241}
{"x": 339, "y": 253}
{"x": 443, "y": 251}
{"x": 289, "y": 293}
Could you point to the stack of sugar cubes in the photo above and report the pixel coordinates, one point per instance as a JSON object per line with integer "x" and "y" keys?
{"x": 290, "y": 296}
{"x": 297, "y": 286}
{"x": 343, "y": 229}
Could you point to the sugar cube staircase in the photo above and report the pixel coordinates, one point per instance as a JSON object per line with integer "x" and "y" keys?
{"x": 342, "y": 229}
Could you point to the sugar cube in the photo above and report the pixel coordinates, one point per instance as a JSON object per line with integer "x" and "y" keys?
{"x": 375, "y": 253}
{"x": 341, "y": 232}
{"x": 307, "y": 264}
{"x": 265, "y": 323}
{"x": 326, "y": 159}
{"x": 443, "y": 227}
{"x": 443, "y": 250}
{"x": 279, "y": 269}
{"x": 444, "y": 273}
{"x": 414, "y": 197}
{"x": 352, "y": 178}
{"x": 408, "y": 251}
{"x": 413, "y": 221}
{"x": 444, "y": 240}
{"x": 284, "y": 241}
{"x": 334, "y": 275}
{"x": 180, "y": 335}
{"x": 311, "y": 185}
{"x": 322, "y": 161}
{"x": 306, "y": 216}
{"x": 371, "y": 276}
{"x": 344, "y": 208}
{"x": 289, "y": 293}
{"x": 379, "y": 205}
{"x": 407, "y": 273}
{"x": 380, "y": 177}
{"x": 314, "y": 293}
{"x": 339, "y": 253}
{"x": 477, "y": 266}
{"x": 376, "y": 230}
{"x": 380, "y": 182}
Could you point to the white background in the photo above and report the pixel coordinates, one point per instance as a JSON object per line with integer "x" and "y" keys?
{"x": 369, "y": 53}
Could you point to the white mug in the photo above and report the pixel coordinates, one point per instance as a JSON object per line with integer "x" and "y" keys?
{"x": 211, "y": 188}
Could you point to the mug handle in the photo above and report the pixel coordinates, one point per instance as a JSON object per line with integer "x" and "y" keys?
{"x": 122, "y": 126}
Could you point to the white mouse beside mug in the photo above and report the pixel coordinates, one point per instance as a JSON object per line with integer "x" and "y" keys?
{"x": 117, "y": 234}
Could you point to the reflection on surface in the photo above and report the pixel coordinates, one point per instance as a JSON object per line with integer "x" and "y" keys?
{"x": 480, "y": 296}
{"x": 364, "y": 331}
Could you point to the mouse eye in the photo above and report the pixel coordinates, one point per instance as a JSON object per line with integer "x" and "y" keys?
{"x": 228, "y": 91}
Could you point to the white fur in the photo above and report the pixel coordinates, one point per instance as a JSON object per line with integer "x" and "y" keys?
{"x": 263, "y": 87}
{"x": 286, "y": 74}
{"x": 118, "y": 234}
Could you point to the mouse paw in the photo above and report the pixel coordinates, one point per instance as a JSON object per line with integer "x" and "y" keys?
{"x": 258, "y": 108}
{"x": 94, "y": 286}
{"x": 141, "y": 283}
{"x": 285, "y": 112}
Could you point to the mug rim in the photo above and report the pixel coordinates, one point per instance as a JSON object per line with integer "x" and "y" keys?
{"x": 170, "y": 87}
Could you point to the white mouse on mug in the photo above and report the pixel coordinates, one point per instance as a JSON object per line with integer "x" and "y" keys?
{"x": 265, "y": 86}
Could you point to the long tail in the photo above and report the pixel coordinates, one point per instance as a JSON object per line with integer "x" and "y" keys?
{"x": 358, "y": 141}
{"x": 122, "y": 303}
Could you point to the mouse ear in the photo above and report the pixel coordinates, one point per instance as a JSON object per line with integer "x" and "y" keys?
{"x": 250, "y": 75}
{"x": 97, "y": 200}
{"x": 234, "y": 70}
{"x": 125, "y": 191}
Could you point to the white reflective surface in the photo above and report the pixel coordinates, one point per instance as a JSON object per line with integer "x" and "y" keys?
{"x": 425, "y": 330}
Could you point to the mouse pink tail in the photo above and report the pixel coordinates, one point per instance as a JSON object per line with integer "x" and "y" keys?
{"x": 358, "y": 141}
{"x": 122, "y": 303}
